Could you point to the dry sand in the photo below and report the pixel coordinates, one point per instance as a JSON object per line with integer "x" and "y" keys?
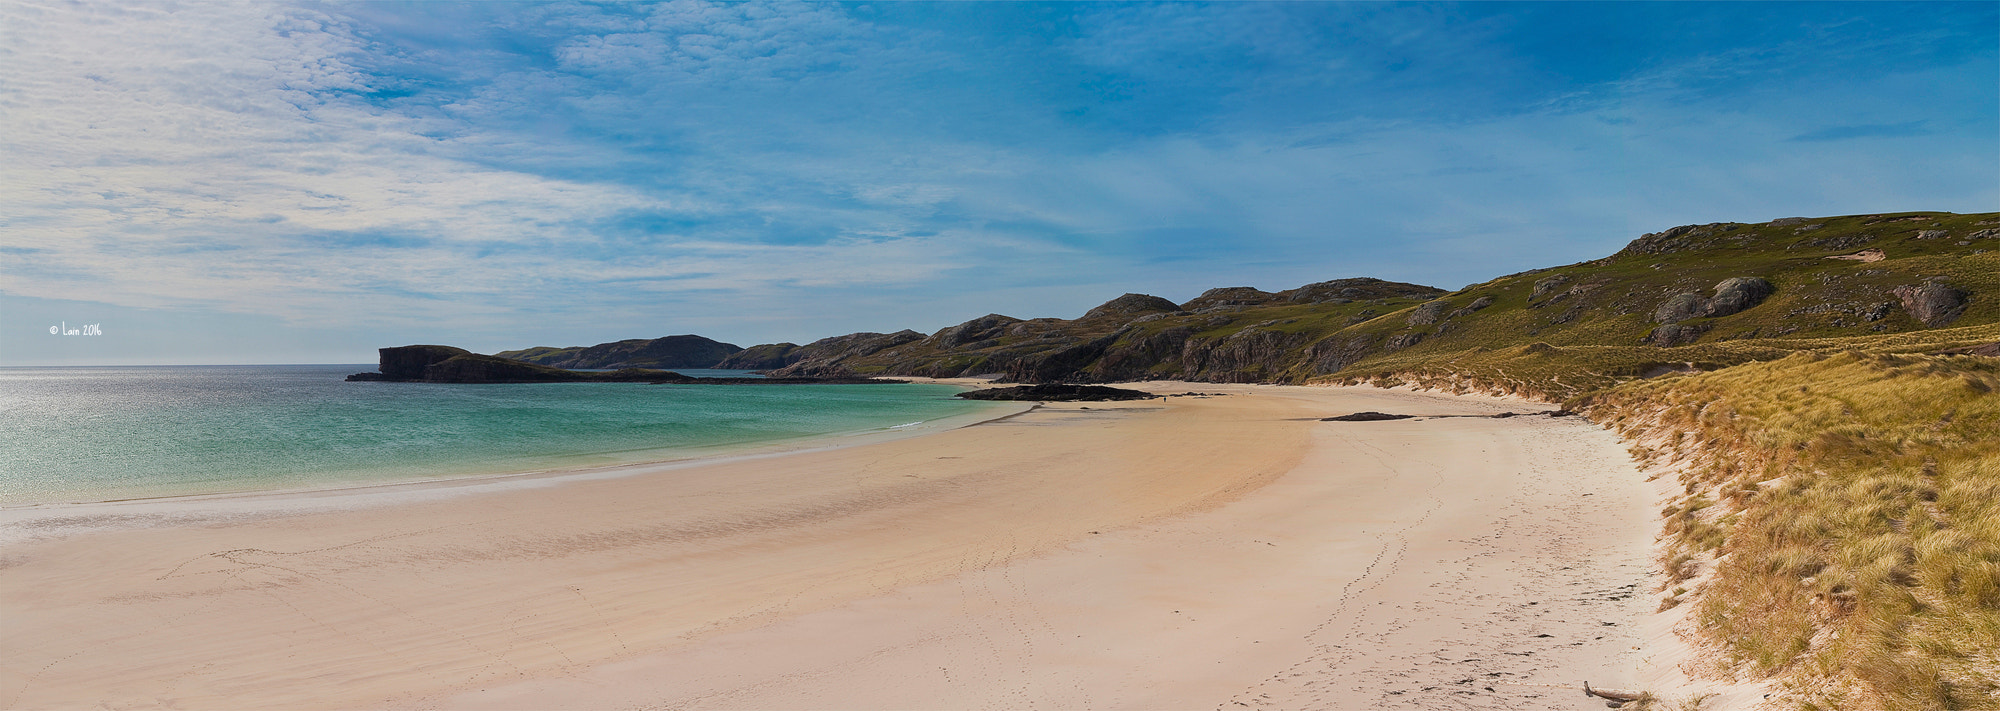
{"x": 1217, "y": 552}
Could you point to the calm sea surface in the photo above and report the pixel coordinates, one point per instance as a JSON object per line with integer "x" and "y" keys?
{"x": 94, "y": 434}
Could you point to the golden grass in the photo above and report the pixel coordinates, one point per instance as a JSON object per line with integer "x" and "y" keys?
{"x": 1849, "y": 505}
{"x": 1838, "y": 529}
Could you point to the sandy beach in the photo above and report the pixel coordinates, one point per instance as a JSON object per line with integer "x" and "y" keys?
{"x": 1224, "y": 551}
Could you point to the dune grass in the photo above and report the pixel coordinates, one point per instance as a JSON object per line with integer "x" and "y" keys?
{"x": 1840, "y": 521}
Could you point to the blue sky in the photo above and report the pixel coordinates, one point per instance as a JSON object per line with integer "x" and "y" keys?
{"x": 261, "y": 183}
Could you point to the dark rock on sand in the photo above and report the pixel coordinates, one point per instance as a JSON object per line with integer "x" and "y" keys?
{"x": 1366, "y": 417}
{"x": 1057, "y": 393}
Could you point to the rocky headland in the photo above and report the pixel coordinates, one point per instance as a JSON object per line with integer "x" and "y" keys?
{"x": 448, "y": 364}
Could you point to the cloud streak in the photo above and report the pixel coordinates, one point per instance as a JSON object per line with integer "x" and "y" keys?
{"x": 763, "y": 171}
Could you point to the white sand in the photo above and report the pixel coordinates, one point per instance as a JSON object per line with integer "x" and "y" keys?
{"x": 1187, "y": 553}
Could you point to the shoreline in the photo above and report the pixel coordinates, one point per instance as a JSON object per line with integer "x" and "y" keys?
{"x": 827, "y": 577}
{"x": 184, "y": 509}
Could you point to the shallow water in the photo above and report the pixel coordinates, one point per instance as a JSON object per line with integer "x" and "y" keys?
{"x": 104, "y": 433}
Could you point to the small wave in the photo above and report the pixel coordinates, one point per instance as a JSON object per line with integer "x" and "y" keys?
{"x": 907, "y": 424}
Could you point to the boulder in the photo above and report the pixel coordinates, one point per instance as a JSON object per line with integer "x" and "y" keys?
{"x": 1426, "y": 314}
{"x": 1667, "y": 335}
{"x": 1732, "y": 295}
{"x": 1477, "y": 304}
{"x": 1680, "y": 307}
{"x": 1934, "y": 302}
{"x": 1736, "y": 294}
{"x": 1401, "y": 341}
{"x": 1548, "y": 284}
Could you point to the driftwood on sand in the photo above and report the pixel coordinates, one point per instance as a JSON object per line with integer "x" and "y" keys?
{"x": 1616, "y": 694}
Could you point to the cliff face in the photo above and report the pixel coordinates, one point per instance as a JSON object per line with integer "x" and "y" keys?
{"x": 445, "y": 364}
{"x": 410, "y": 362}
{"x": 685, "y": 351}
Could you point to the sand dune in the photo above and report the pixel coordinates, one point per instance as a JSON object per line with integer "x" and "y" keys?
{"x": 1226, "y": 551}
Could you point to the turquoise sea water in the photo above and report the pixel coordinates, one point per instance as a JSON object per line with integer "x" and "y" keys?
{"x": 105, "y": 433}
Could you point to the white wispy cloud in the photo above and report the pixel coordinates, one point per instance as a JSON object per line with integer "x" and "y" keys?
{"x": 793, "y": 170}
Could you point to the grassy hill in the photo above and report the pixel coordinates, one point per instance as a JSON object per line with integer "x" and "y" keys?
{"x": 1910, "y": 281}
{"x": 1559, "y": 332}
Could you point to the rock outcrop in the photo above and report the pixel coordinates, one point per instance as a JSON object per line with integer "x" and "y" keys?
{"x": 1732, "y": 296}
{"x": 1680, "y": 307}
{"x": 1685, "y": 238}
{"x": 1934, "y": 303}
{"x": 1735, "y": 294}
{"x": 1426, "y": 314}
